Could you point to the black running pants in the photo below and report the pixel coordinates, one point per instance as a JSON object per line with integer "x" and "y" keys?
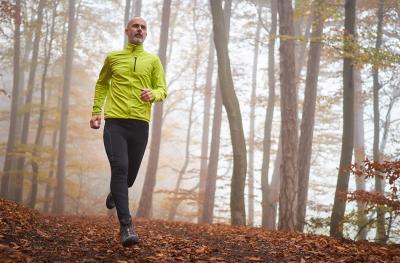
{"x": 125, "y": 141}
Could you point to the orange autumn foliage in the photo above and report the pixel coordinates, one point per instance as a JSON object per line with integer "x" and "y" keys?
{"x": 388, "y": 170}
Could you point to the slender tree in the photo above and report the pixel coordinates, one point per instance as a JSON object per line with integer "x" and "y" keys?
{"x": 206, "y": 128}
{"x": 41, "y": 128}
{"x": 273, "y": 190}
{"x": 211, "y": 180}
{"x": 14, "y": 102}
{"x": 25, "y": 62}
{"x": 253, "y": 95}
{"x": 28, "y": 100}
{"x": 268, "y": 210}
{"x": 379, "y": 184}
{"x": 136, "y": 8}
{"x": 126, "y": 18}
{"x": 339, "y": 205}
{"x": 272, "y": 198}
{"x": 62, "y": 145}
{"x": 288, "y": 189}
{"x": 231, "y": 104}
{"x": 308, "y": 116}
{"x": 359, "y": 152}
{"x": 146, "y": 199}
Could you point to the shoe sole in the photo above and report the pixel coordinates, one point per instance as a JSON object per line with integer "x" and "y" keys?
{"x": 130, "y": 242}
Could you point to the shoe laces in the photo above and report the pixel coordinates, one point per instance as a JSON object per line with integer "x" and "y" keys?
{"x": 130, "y": 230}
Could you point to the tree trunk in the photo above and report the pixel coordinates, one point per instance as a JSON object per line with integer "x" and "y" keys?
{"x": 231, "y": 104}
{"x": 265, "y": 188}
{"x": 206, "y": 128}
{"x": 41, "y": 129}
{"x": 288, "y": 170}
{"x": 126, "y": 18}
{"x": 339, "y": 205}
{"x": 24, "y": 62}
{"x": 252, "y": 120}
{"x": 273, "y": 190}
{"x": 359, "y": 153}
{"x": 14, "y": 103}
{"x": 146, "y": 199}
{"x": 211, "y": 180}
{"x": 308, "y": 116}
{"x": 28, "y": 102}
{"x": 395, "y": 95}
{"x": 49, "y": 185}
{"x": 61, "y": 159}
{"x": 136, "y": 8}
{"x": 208, "y": 206}
{"x": 301, "y": 49}
{"x": 172, "y": 23}
{"x": 380, "y": 217}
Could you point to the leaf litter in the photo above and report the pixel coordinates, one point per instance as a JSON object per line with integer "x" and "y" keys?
{"x": 29, "y": 236}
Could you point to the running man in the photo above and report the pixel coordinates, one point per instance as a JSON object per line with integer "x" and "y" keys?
{"x": 130, "y": 81}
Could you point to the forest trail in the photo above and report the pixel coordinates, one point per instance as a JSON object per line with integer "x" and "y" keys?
{"x": 29, "y": 236}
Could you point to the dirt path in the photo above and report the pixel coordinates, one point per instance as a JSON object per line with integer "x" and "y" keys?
{"x": 29, "y": 236}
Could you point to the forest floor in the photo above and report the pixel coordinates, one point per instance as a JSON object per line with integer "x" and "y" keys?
{"x": 29, "y": 236}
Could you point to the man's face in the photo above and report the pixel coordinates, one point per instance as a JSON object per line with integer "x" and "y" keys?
{"x": 136, "y": 30}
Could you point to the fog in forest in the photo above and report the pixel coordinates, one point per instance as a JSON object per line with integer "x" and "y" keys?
{"x": 328, "y": 88}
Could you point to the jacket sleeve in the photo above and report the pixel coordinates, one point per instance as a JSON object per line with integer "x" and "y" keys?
{"x": 158, "y": 81}
{"x": 102, "y": 86}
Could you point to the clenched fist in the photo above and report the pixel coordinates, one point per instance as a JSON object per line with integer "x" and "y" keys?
{"x": 95, "y": 121}
{"x": 146, "y": 95}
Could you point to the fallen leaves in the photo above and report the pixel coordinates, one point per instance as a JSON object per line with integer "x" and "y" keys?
{"x": 27, "y": 235}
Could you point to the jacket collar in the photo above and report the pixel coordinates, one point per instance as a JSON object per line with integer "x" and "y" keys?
{"x": 134, "y": 48}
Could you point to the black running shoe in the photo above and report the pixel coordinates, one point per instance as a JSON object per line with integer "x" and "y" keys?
{"x": 110, "y": 201}
{"x": 128, "y": 235}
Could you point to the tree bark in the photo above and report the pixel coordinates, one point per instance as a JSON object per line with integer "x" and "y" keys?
{"x": 265, "y": 187}
{"x": 211, "y": 180}
{"x": 339, "y": 205}
{"x": 208, "y": 206}
{"x": 379, "y": 182}
{"x": 28, "y": 102}
{"x": 146, "y": 199}
{"x": 14, "y": 103}
{"x": 273, "y": 192}
{"x": 136, "y": 8}
{"x": 206, "y": 128}
{"x": 359, "y": 153}
{"x": 50, "y": 186}
{"x": 25, "y": 61}
{"x": 301, "y": 49}
{"x": 308, "y": 116}
{"x": 231, "y": 104}
{"x": 126, "y": 18}
{"x": 288, "y": 170}
{"x": 41, "y": 129}
{"x": 61, "y": 158}
{"x": 252, "y": 120}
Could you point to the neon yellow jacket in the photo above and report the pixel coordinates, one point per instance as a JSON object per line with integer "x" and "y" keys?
{"x": 121, "y": 79}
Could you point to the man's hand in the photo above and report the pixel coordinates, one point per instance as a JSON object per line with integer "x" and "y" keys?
{"x": 95, "y": 121}
{"x": 146, "y": 95}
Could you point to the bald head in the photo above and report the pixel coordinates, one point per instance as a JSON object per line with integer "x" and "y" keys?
{"x": 136, "y": 30}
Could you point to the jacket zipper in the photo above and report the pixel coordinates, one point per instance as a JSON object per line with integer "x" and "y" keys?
{"x": 134, "y": 65}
